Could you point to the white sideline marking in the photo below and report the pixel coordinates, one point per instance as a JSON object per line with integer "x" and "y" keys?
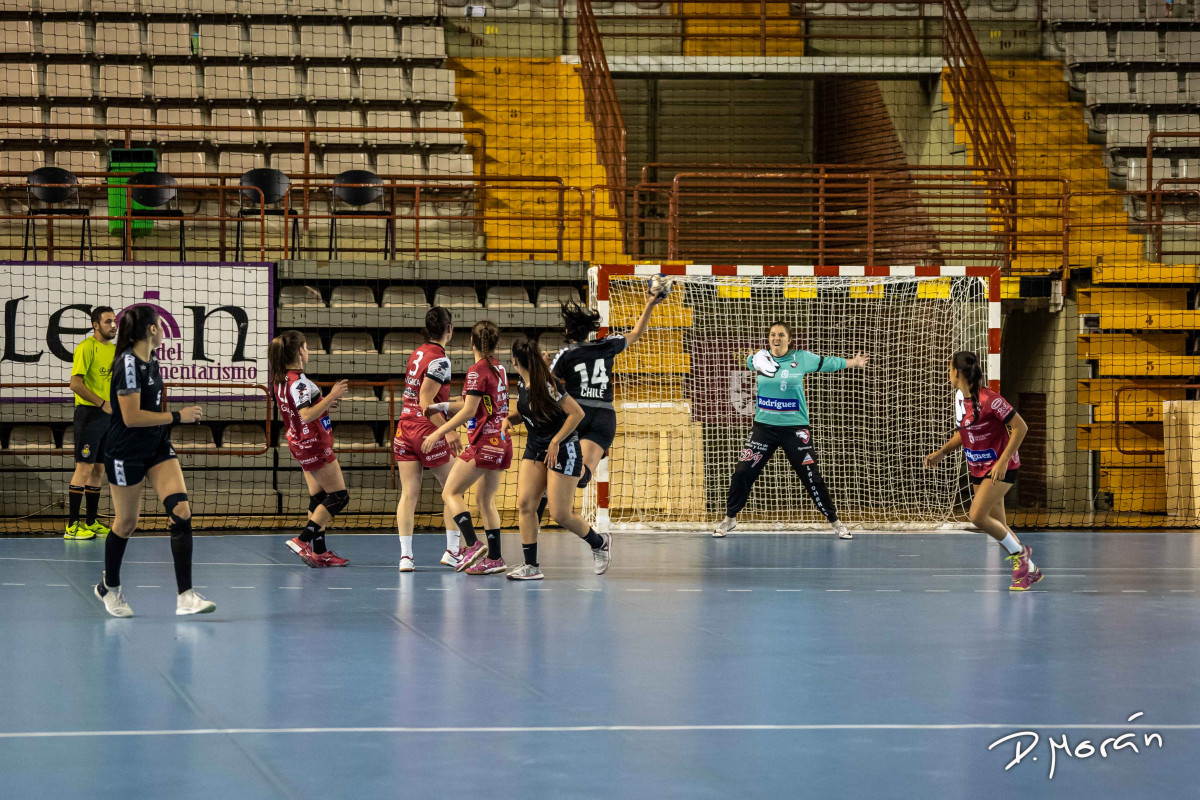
{"x": 887, "y": 590}
{"x": 57, "y": 584}
{"x": 689, "y": 590}
{"x": 234, "y": 587}
{"x": 739, "y": 590}
{"x": 639, "y": 590}
{"x": 290, "y": 587}
{"x": 965, "y": 726}
{"x": 937, "y": 590}
{"x": 148, "y": 587}
{"x": 837, "y": 590}
{"x": 387, "y": 588}
{"x": 987, "y": 590}
{"x": 13, "y": 584}
{"x": 1133, "y": 591}
{"x": 1172, "y": 591}
{"x": 339, "y": 588}
{"x": 487, "y": 588}
{"x": 789, "y": 590}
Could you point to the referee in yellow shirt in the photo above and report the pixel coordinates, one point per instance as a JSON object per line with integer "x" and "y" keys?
{"x": 91, "y": 373}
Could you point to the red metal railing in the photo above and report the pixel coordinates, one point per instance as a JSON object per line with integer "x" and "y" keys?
{"x": 601, "y": 104}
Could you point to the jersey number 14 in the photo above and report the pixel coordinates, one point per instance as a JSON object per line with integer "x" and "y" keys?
{"x": 598, "y": 380}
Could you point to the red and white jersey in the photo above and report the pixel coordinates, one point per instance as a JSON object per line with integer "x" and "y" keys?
{"x": 984, "y": 438}
{"x": 493, "y": 408}
{"x": 297, "y": 393}
{"x": 427, "y": 361}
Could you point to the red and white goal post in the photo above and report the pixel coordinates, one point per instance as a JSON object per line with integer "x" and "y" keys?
{"x": 685, "y": 399}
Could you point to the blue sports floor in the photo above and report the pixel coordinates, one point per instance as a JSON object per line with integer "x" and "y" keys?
{"x": 760, "y": 666}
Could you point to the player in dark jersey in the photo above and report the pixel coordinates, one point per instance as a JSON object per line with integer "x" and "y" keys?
{"x": 985, "y": 420}
{"x": 426, "y": 396}
{"x": 585, "y": 369}
{"x": 552, "y": 462}
{"x": 488, "y": 453}
{"x": 309, "y": 431}
{"x": 138, "y": 446}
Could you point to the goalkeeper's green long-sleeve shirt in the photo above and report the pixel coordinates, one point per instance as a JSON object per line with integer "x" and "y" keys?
{"x": 781, "y": 398}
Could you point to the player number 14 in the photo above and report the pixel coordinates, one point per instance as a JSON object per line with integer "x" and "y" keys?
{"x": 599, "y": 379}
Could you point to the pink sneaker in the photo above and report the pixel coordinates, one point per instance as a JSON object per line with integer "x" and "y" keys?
{"x": 331, "y": 559}
{"x": 469, "y": 555}
{"x": 1020, "y": 562}
{"x": 304, "y": 550}
{"x": 1026, "y": 580}
{"x": 486, "y": 566}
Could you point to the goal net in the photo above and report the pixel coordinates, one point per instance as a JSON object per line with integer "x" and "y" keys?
{"x": 685, "y": 399}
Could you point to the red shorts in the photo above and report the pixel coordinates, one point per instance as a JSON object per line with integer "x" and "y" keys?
{"x": 407, "y": 445}
{"x": 490, "y": 452}
{"x": 313, "y": 456}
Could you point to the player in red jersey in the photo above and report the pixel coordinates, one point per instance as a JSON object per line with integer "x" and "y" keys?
{"x": 305, "y": 416}
{"x": 426, "y": 392}
{"x": 488, "y": 453}
{"x": 989, "y": 431}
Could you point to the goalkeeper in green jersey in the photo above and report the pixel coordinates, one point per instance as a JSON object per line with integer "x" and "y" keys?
{"x": 782, "y": 421}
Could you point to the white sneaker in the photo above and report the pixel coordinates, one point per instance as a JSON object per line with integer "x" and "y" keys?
{"x": 842, "y": 531}
{"x": 113, "y": 599}
{"x": 407, "y": 565}
{"x": 452, "y": 559}
{"x": 525, "y": 572}
{"x": 191, "y": 603}
{"x": 726, "y": 525}
{"x": 602, "y": 555}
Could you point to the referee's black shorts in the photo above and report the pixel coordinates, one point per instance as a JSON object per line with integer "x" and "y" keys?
{"x": 91, "y": 426}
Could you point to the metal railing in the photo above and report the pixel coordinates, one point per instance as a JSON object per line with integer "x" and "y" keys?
{"x": 601, "y": 105}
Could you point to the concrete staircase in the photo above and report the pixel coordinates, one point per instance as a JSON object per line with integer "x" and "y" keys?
{"x": 532, "y": 113}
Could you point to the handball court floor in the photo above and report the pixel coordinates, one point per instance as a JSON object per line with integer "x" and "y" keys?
{"x": 759, "y": 666}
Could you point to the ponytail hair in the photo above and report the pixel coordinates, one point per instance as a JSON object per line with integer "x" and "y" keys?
{"x": 134, "y": 326}
{"x": 967, "y": 364}
{"x": 528, "y": 356}
{"x": 579, "y": 321}
{"x": 484, "y": 337}
{"x": 283, "y": 351}
{"x": 437, "y": 322}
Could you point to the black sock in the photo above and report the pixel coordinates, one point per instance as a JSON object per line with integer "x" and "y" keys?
{"x": 530, "y": 551}
{"x": 74, "y": 500}
{"x": 181, "y": 553}
{"x": 91, "y": 497}
{"x": 463, "y": 521}
{"x": 542, "y": 509}
{"x": 318, "y": 543}
{"x": 310, "y": 531}
{"x": 493, "y": 543}
{"x": 114, "y": 551}
{"x": 594, "y": 540}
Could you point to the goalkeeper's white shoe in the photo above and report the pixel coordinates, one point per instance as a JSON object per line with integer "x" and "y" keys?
{"x": 726, "y": 525}
{"x": 842, "y": 531}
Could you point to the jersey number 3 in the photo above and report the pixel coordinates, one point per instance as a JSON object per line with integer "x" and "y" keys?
{"x": 599, "y": 379}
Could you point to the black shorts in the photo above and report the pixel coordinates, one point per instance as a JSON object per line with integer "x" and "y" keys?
{"x": 598, "y": 425}
{"x": 91, "y": 425}
{"x": 1011, "y": 477}
{"x": 130, "y": 471}
{"x": 570, "y": 457}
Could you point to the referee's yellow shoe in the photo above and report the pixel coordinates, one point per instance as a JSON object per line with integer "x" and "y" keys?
{"x": 98, "y": 528}
{"x": 78, "y": 532}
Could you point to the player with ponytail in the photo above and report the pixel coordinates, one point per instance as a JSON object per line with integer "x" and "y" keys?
{"x": 305, "y": 415}
{"x": 552, "y": 462}
{"x": 989, "y": 431}
{"x": 426, "y": 406}
{"x": 488, "y": 453}
{"x": 137, "y": 448}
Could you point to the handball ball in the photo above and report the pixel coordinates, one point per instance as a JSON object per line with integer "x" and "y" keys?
{"x": 660, "y": 285}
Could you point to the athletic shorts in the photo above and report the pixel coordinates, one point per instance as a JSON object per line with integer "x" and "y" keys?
{"x": 407, "y": 445}
{"x": 1010, "y": 477}
{"x": 570, "y": 458}
{"x": 598, "y": 425}
{"x": 130, "y": 471}
{"x": 314, "y": 456}
{"x": 490, "y": 452}
{"x": 91, "y": 426}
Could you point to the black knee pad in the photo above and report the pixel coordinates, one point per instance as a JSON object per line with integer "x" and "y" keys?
{"x": 336, "y": 501}
{"x": 316, "y": 500}
{"x": 170, "y": 501}
{"x": 586, "y": 477}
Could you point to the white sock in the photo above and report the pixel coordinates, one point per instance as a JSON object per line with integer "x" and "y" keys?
{"x": 452, "y": 540}
{"x": 728, "y": 519}
{"x": 1011, "y": 544}
{"x": 406, "y": 546}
